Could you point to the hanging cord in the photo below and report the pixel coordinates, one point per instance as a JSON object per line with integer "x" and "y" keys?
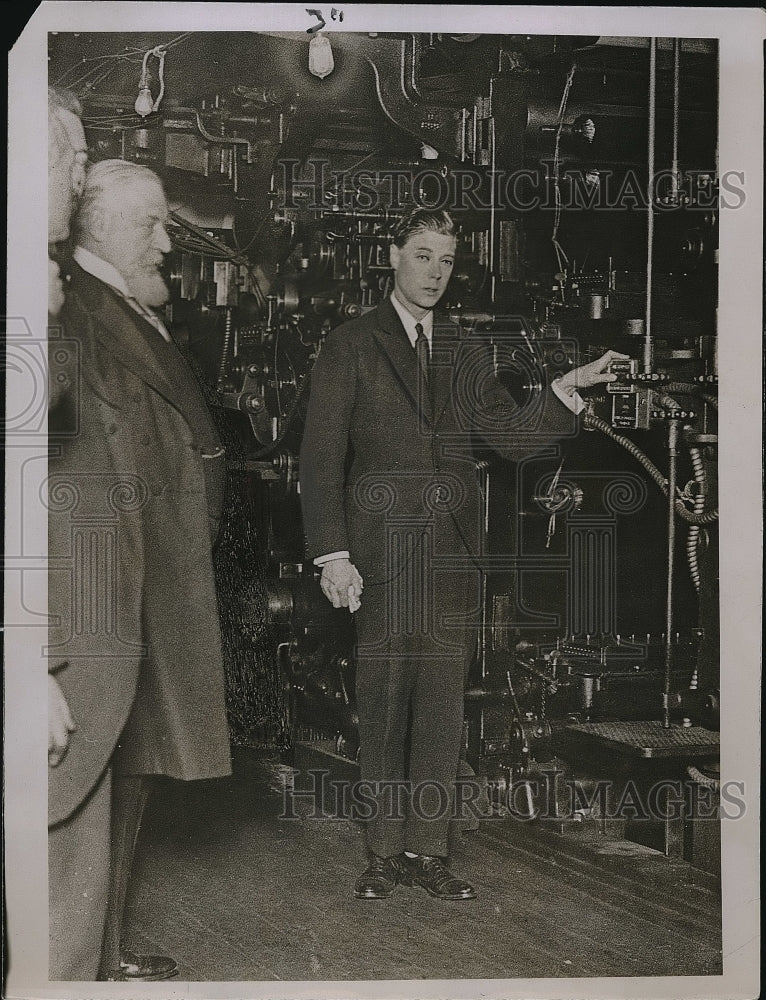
{"x": 160, "y": 54}
{"x": 561, "y": 256}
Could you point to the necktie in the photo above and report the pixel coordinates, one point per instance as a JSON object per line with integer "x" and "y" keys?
{"x": 150, "y": 316}
{"x": 422, "y": 350}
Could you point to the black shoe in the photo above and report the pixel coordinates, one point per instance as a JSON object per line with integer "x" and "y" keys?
{"x": 379, "y": 879}
{"x": 143, "y": 968}
{"x": 435, "y": 878}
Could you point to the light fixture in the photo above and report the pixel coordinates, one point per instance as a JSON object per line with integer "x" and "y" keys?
{"x": 321, "y": 62}
{"x": 585, "y": 128}
{"x": 145, "y": 103}
{"x": 592, "y": 177}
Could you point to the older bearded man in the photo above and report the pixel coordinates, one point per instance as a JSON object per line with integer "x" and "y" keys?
{"x": 162, "y": 693}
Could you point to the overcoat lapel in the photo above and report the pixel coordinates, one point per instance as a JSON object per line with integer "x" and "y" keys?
{"x": 132, "y": 339}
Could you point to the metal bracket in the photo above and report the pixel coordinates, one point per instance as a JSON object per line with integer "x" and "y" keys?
{"x": 449, "y": 130}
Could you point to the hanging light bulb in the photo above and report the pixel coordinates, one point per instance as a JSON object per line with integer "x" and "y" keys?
{"x": 321, "y": 62}
{"x": 145, "y": 103}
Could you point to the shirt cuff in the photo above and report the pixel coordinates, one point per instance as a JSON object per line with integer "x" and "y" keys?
{"x": 573, "y": 402}
{"x": 321, "y": 560}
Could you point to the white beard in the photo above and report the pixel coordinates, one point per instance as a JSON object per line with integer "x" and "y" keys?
{"x": 148, "y": 287}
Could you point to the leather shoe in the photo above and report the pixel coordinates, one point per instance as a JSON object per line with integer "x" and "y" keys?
{"x": 143, "y": 968}
{"x": 379, "y": 879}
{"x": 434, "y": 876}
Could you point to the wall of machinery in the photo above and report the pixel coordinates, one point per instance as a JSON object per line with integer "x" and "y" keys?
{"x": 582, "y": 174}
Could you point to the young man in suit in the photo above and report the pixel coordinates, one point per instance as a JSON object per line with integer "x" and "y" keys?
{"x": 392, "y": 516}
{"x": 150, "y": 469}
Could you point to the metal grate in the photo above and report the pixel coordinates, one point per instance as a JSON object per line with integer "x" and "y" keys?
{"x": 647, "y": 739}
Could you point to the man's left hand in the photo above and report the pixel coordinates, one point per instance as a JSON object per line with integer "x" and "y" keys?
{"x": 592, "y": 374}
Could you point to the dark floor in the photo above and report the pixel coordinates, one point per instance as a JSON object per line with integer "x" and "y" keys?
{"x": 234, "y": 893}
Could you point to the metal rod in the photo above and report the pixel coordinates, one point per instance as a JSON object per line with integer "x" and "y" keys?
{"x": 673, "y": 429}
{"x": 676, "y": 110}
{"x": 650, "y": 201}
{"x": 493, "y": 227}
{"x": 485, "y": 480}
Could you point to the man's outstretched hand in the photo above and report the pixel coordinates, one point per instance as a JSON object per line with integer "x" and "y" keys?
{"x": 592, "y": 374}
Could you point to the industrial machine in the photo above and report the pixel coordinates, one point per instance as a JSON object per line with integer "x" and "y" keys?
{"x": 582, "y": 174}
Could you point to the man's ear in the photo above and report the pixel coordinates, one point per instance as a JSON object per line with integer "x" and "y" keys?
{"x": 394, "y": 256}
{"x": 99, "y": 223}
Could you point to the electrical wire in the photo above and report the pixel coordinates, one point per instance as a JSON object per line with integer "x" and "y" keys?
{"x": 208, "y": 246}
{"x": 102, "y": 60}
{"x": 86, "y": 82}
{"x": 269, "y": 448}
{"x": 561, "y": 256}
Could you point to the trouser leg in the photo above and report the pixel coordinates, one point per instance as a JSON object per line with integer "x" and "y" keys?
{"x": 129, "y": 796}
{"x": 383, "y": 694}
{"x": 78, "y": 887}
{"x": 436, "y": 734}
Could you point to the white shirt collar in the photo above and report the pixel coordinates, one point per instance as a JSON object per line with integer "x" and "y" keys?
{"x": 409, "y": 322}
{"x": 101, "y": 269}
{"x": 105, "y": 272}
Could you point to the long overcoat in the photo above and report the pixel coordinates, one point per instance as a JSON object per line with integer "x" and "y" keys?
{"x": 135, "y": 638}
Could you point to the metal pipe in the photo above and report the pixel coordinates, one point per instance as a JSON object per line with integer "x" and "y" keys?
{"x": 493, "y": 227}
{"x": 676, "y": 112}
{"x": 485, "y": 485}
{"x": 647, "y": 359}
{"x": 673, "y": 432}
{"x": 223, "y": 140}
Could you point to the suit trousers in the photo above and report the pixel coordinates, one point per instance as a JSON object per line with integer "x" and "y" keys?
{"x": 129, "y": 797}
{"x": 78, "y": 881}
{"x": 416, "y": 638}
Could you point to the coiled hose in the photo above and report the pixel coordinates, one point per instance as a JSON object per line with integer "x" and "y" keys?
{"x": 690, "y": 389}
{"x": 691, "y": 517}
{"x": 699, "y": 504}
{"x": 703, "y": 779}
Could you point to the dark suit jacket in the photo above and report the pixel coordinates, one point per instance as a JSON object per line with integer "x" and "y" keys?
{"x": 139, "y": 421}
{"x": 380, "y": 446}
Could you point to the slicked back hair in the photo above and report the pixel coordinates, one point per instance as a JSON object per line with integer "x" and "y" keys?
{"x": 420, "y": 219}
